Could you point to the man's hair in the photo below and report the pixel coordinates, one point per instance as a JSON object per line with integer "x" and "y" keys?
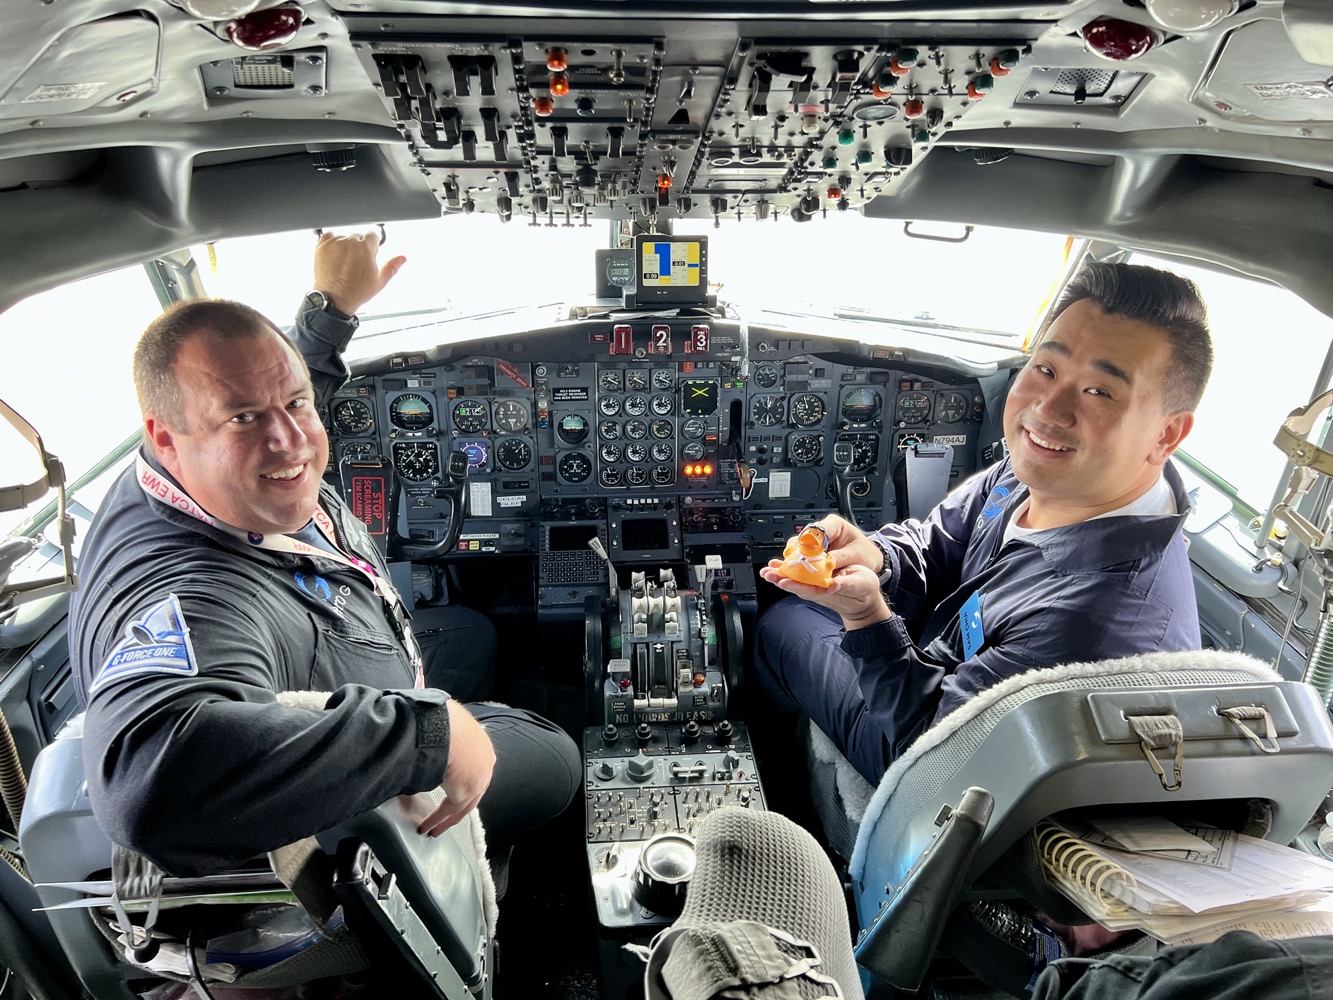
{"x": 1164, "y": 300}
{"x": 155, "y": 355}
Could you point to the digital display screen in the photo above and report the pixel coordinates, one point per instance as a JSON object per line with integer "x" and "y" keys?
{"x": 478, "y": 454}
{"x": 698, "y": 397}
{"x": 644, "y": 534}
{"x": 670, "y": 263}
{"x": 569, "y": 537}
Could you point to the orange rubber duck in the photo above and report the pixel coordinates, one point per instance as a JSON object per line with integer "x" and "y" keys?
{"x": 806, "y": 558}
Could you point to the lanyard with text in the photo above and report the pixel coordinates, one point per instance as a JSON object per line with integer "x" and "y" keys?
{"x": 165, "y": 491}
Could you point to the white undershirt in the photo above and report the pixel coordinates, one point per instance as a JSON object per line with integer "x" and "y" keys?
{"x": 1158, "y": 500}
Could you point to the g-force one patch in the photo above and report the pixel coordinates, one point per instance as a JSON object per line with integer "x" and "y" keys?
{"x": 158, "y": 643}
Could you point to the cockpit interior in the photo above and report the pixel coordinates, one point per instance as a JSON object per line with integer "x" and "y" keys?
{"x": 682, "y": 278}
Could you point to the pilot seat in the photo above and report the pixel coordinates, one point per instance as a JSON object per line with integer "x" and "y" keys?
{"x": 395, "y": 912}
{"x": 1212, "y": 736}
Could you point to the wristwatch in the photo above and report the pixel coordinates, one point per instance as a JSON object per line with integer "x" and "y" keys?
{"x": 317, "y": 301}
{"x": 886, "y": 572}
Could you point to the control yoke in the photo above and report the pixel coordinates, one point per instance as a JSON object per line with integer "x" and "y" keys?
{"x": 452, "y": 491}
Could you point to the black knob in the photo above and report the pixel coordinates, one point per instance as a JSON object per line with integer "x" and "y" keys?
{"x": 610, "y": 734}
{"x": 724, "y": 731}
{"x": 644, "y": 733}
{"x": 604, "y": 771}
{"x": 666, "y": 864}
{"x": 691, "y": 732}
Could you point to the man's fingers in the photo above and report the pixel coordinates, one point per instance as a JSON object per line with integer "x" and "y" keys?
{"x": 391, "y": 268}
{"x": 448, "y": 813}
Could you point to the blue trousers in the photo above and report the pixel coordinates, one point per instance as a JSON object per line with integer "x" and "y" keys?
{"x": 799, "y": 661}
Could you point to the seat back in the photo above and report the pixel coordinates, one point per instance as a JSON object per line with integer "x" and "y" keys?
{"x": 439, "y": 889}
{"x": 1060, "y": 738}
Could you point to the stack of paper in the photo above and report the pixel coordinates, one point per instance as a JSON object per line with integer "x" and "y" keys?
{"x": 1186, "y": 885}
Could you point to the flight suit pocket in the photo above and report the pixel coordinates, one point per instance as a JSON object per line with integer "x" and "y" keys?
{"x": 345, "y": 653}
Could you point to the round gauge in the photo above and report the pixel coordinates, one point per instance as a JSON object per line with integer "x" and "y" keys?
{"x": 663, "y": 404}
{"x": 636, "y": 475}
{"x": 914, "y": 407}
{"x": 610, "y": 452}
{"x": 804, "y": 448}
{"x": 692, "y": 452}
{"x": 610, "y": 379}
{"x": 610, "y": 476}
{"x": 862, "y": 405}
{"x": 662, "y": 452}
{"x": 478, "y": 454}
{"x": 865, "y": 451}
{"x": 663, "y": 475}
{"x": 351, "y": 416}
{"x": 807, "y": 409}
{"x": 413, "y": 412}
{"x": 636, "y": 406}
{"x": 662, "y": 378}
{"x": 609, "y": 405}
{"x": 416, "y": 461}
{"x": 636, "y": 430}
{"x": 572, "y": 428}
{"x": 636, "y": 380}
{"x": 662, "y": 429}
{"x": 513, "y": 453}
{"x": 469, "y": 416}
{"x": 356, "y": 451}
{"x": 574, "y": 467}
{"x": 693, "y": 429}
{"x": 951, "y": 407}
{"x": 636, "y": 452}
{"x": 510, "y": 416}
{"x": 766, "y": 376}
{"x": 767, "y": 411}
{"x": 608, "y": 430}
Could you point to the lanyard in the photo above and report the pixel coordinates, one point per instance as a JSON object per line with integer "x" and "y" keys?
{"x": 162, "y": 489}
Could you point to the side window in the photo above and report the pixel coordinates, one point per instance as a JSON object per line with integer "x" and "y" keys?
{"x": 67, "y": 358}
{"x": 1268, "y": 346}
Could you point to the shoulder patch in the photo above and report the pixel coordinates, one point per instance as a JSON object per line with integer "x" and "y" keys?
{"x": 158, "y": 643}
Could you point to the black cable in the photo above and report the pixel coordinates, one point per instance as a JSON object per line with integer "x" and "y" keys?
{"x": 192, "y": 966}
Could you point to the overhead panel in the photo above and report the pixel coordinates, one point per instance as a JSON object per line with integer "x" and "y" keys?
{"x": 670, "y": 124}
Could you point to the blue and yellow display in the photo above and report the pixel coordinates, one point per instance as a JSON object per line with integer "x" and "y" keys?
{"x": 670, "y": 264}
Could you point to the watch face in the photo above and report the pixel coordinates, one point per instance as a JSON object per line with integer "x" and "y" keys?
{"x": 314, "y": 300}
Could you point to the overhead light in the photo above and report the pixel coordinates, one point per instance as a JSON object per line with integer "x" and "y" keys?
{"x": 1189, "y": 15}
{"x": 1113, "y": 38}
{"x": 265, "y": 29}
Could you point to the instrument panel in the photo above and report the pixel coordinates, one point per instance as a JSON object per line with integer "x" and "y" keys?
{"x": 645, "y": 451}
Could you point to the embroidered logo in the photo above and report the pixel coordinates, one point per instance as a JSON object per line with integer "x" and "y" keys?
{"x": 315, "y": 586}
{"x": 995, "y": 503}
{"x": 159, "y": 643}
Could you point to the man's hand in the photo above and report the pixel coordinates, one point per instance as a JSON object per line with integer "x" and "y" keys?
{"x": 854, "y": 593}
{"x": 848, "y": 545}
{"x": 346, "y": 270}
{"x": 471, "y": 761}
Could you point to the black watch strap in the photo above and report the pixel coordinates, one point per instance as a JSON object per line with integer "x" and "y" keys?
{"x": 317, "y": 301}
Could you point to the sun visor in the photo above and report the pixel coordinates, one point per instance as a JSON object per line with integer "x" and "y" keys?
{"x": 106, "y": 63}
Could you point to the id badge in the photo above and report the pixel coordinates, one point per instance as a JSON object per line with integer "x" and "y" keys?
{"x": 969, "y": 621}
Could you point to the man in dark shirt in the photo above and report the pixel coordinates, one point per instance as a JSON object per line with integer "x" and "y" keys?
{"x": 220, "y": 572}
{"x": 1069, "y": 550}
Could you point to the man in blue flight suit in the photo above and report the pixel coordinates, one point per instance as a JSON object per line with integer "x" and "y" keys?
{"x": 221, "y": 571}
{"x": 1068, "y": 550}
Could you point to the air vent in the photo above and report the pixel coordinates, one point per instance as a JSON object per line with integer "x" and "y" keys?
{"x": 267, "y": 75}
{"x": 1079, "y": 87}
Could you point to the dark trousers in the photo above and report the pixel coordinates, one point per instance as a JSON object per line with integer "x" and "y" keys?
{"x": 457, "y": 650}
{"x": 798, "y": 660}
{"x": 1237, "y": 966}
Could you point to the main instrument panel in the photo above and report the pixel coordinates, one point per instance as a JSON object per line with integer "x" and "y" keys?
{"x": 578, "y": 432}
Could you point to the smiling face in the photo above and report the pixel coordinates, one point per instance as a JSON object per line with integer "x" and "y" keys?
{"x": 1086, "y": 422}
{"x": 250, "y": 448}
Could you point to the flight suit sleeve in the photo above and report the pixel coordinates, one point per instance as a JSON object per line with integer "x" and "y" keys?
{"x": 321, "y": 337}
{"x": 191, "y": 759}
{"x": 926, "y": 557}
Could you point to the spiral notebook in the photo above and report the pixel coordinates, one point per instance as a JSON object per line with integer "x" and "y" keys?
{"x": 1123, "y": 886}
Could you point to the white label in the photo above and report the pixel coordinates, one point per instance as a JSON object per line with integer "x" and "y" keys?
{"x": 1311, "y": 91}
{"x": 517, "y": 501}
{"x": 50, "y": 92}
{"x": 953, "y": 439}
{"x": 779, "y": 485}
{"x": 479, "y": 499}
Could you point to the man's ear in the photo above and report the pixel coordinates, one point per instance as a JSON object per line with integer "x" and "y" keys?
{"x": 1174, "y": 430}
{"x": 162, "y": 439}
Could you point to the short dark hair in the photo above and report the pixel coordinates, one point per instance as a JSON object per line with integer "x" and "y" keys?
{"x": 1167, "y": 301}
{"x": 155, "y": 355}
